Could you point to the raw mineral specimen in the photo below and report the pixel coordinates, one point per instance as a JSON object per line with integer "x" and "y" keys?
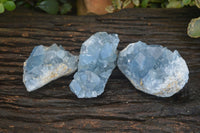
{"x": 46, "y": 64}
{"x": 96, "y": 61}
{"x": 153, "y": 69}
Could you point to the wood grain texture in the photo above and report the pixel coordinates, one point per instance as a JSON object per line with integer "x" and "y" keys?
{"x": 121, "y": 108}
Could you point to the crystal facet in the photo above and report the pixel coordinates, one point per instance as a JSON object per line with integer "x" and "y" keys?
{"x": 96, "y": 62}
{"x": 153, "y": 69}
{"x": 46, "y": 64}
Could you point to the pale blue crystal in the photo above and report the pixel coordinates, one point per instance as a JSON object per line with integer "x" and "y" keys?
{"x": 96, "y": 61}
{"x": 153, "y": 69}
{"x": 46, "y": 64}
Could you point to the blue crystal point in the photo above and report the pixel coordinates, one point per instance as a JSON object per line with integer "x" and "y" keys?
{"x": 153, "y": 69}
{"x": 46, "y": 64}
{"x": 96, "y": 62}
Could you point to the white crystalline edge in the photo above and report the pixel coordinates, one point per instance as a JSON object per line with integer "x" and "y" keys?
{"x": 171, "y": 85}
{"x": 61, "y": 70}
{"x": 49, "y": 76}
{"x": 126, "y": 50}
{"x": 91, "y": 39}
{"x": 124, "y": 53}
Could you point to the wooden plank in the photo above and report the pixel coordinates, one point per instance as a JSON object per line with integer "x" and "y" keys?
{"x": 121, "y": 108}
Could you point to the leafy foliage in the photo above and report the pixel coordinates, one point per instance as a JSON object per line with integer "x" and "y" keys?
{"x": 65, "y": 8}
{"x": 197, "y": 3}
{"x": 49, "y": 6}
{"x": 9, "y": 5}
{"x": 144, "y": 3}
{"x": 54, "y": 6}
{"x": 1, "y": 8}
{"x": 175, "y": 4}
{"x": 120, "y": 4}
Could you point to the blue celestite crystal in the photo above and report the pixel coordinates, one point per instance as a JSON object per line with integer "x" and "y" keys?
{"x": 153, "y": 69}
{"x": 96, "y": 61}
{"x": 46, "y": 64}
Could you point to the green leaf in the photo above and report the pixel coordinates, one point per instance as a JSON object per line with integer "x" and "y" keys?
{"x": 192, "y": 3}
{"x": 110, "y": 9}
{"x": 126, "y": 3}
{"x": 65, "y": 8}
{"x": 117, "y": 4}
{"x": 9, "y": 5}
{"x": 197, "y": 3}
{"x": 1, "y": 8}
{"x": 194, "y": 28}
{"x": 49, "y": 6}
{"x": 154, "y": 5}
{"x": 174, "y": 4}
{"x": 136, "y": 2}
{"x": 19, "y": 3}
{"x": 144, "y": 3}
{"x": 157, "y": 1}
{"x": 2, "y": 1}
{"x": 186, "y": 2}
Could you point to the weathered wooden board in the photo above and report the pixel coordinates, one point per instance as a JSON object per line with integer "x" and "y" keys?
{"x": 121, "y": 108}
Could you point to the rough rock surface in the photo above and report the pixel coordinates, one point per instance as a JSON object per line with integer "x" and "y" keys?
{"x": 153, "y": 69}
{"x": 46, "y": 64}
{"x": 96, "y": 62}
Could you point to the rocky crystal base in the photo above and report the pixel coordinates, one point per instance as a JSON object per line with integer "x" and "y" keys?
{"x": 96, "y": 62}
{"x": 153, "y": 69}
{"x": 46, "y": 64}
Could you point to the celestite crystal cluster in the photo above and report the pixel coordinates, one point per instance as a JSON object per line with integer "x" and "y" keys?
{"x": 96, "y": 62}
{"x": 46, "y": 64}
{"x": 153, "y": 69}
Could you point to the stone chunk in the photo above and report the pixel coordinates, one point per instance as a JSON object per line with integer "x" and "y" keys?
{"x": 153, "y": 69}
{"x": 96, "y": 62}
{"x": 46, "y": 64}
